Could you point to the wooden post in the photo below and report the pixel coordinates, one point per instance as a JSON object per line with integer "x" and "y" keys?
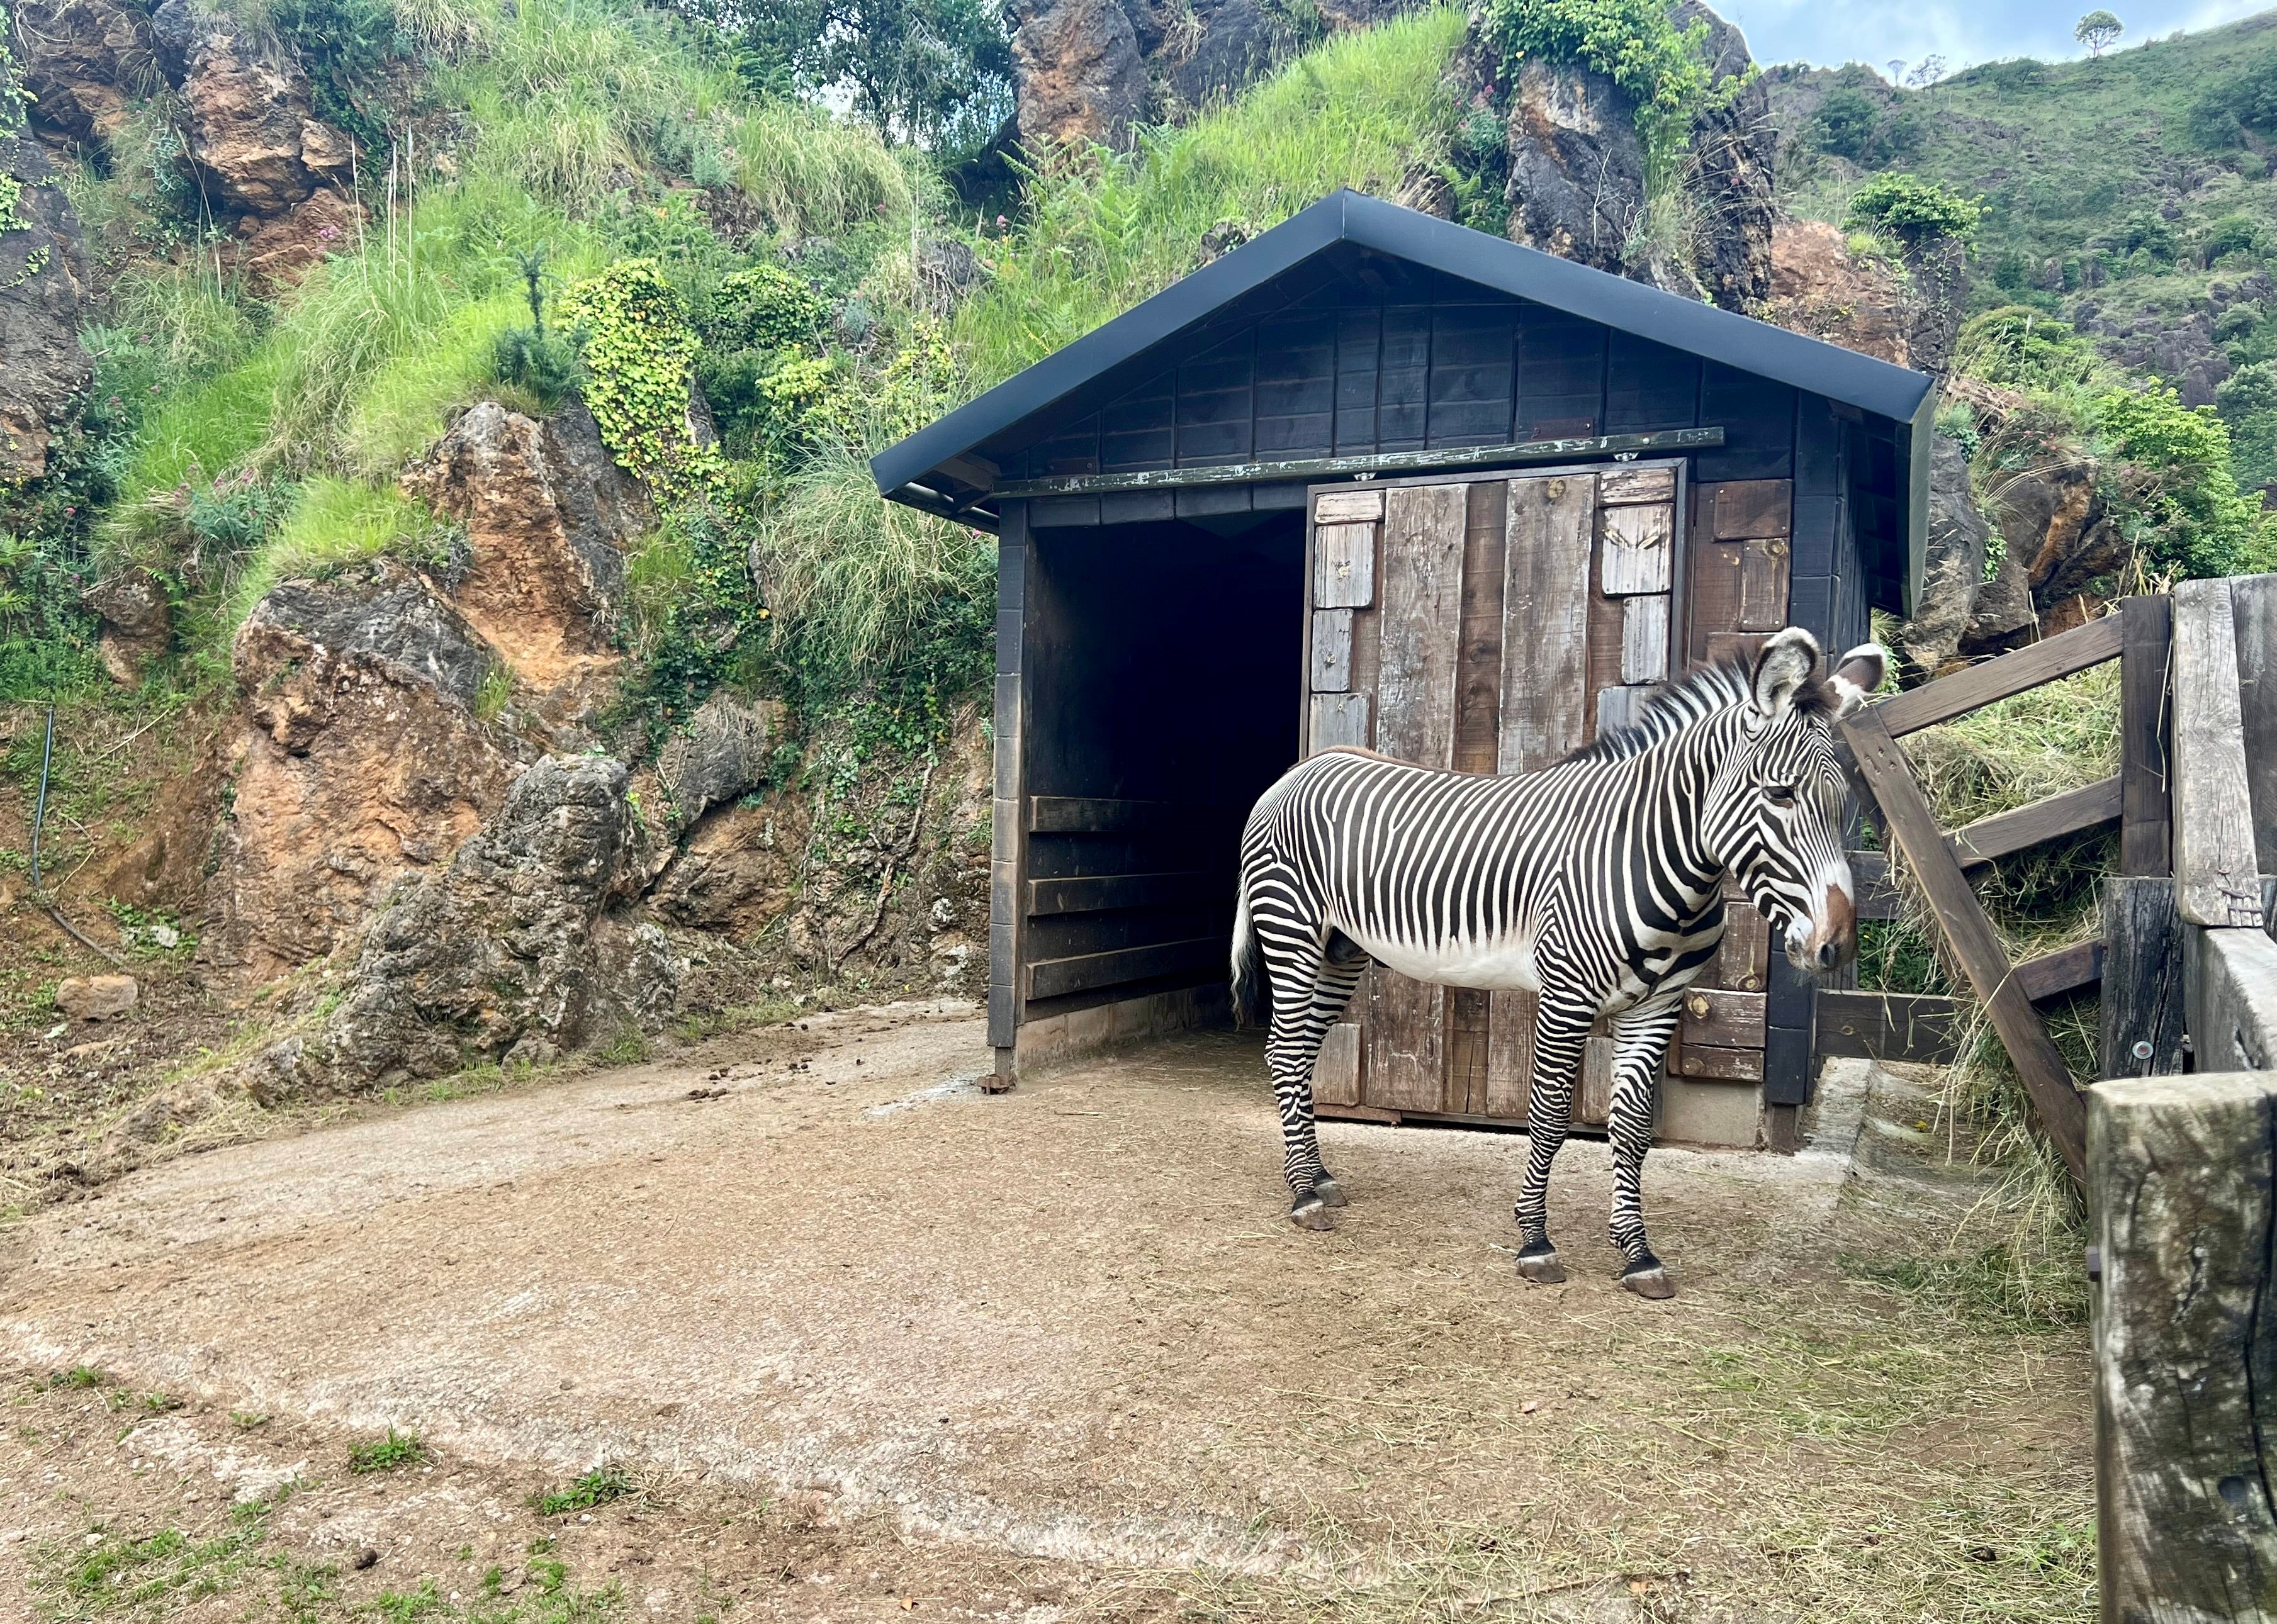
{"x": 2232, "y": 978}
{"x": 2217, "y": 877}
{"x": 2146, "y": 629}
{"x": 2181, "y": 1174}
{"x": 2055, "y": 1099}
{"x": 2143, "y": 1001}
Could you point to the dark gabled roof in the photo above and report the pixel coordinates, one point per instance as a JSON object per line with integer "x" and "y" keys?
{"x": 1872, "y": 386}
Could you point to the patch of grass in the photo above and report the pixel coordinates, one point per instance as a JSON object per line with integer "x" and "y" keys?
{"x": 151, "y": 1576}
{"x": 384, "y": 1454}
{"x": 81, "y": 1376}
{"x": 604, "y": 1483}
{"x": 333, "y": 523}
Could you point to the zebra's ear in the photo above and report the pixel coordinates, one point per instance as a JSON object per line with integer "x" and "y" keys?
{"x": 1788, "y": 659}
{"x": 1858, "y": 677}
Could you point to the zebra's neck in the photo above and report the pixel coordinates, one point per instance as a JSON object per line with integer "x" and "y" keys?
{"x": 1663, "y": 785}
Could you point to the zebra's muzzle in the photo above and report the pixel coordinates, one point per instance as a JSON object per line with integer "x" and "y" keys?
{"x": 1830, "y": 936}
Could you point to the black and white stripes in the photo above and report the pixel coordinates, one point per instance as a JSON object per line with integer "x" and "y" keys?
{"x": 1596, "y": 884}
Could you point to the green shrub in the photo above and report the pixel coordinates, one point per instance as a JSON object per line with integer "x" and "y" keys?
{"x": 2247, "y": 401}
{"x": 1633, "y": 43}
{"x": 2247, "y": 100}
{"x": 763, "y": 308}
{"x": 347, "y": 46}
{"x": 639, "y": 356}
{"x": 2232, "y": 234}
{"x": 2186, "y": 514}
{"x": 2018, "y": 346}
{"x": 1914, "y": 209}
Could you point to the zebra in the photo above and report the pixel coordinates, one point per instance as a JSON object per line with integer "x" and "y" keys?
{"x": 1595, "y": 883}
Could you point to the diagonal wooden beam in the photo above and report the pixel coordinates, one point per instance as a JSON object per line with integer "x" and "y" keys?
{"x": 2047, "y": 1080}
{"x": 1980, "y": 686}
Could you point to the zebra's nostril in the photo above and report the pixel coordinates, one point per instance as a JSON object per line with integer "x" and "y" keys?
{"x": 1827, "y": 954}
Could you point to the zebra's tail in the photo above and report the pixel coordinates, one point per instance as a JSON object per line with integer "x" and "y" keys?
{"x": 1249, "y": 995}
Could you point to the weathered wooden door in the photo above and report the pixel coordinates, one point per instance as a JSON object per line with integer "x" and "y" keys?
{"x": 1488, "y": 624}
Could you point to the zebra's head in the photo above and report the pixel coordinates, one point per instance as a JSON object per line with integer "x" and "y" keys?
{"x": 1777, "y": 810}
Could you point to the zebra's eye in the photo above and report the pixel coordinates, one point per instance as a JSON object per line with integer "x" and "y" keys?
{"x": 1780, "y": 795}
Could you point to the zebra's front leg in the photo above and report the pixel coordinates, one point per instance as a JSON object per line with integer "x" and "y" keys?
{"x": 1309, "y": 992}
{"x": 1561, "y": 1027}
{"x": 1640, "y": 1049}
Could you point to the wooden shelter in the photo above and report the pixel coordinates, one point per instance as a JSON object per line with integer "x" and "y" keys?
{"x": 1377, "y": 479}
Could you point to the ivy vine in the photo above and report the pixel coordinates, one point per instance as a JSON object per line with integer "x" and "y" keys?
{"x": 640, "y": 353}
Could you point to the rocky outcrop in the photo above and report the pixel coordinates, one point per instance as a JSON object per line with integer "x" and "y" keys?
{"x": 723, "y": 751}
{"x": 1077, "y": 73}
{"x": 1820, "y": 289}
{"x": 1733, "y": 148}
{"x": 358, "y": 755}
{"x": 82, "y": 62}
{"x": 1576, "y": 185}
{"x": 2058, "y": 529}
{"x": 1952, "y": 571}
{"x": 253, "y": 130}
{"x": 2003, "y": 618}
{"x": 45, "y": 297}
{"x": 136, "y": 623}
{"x": 280, "y": 253}
{"x": 547, "y": 515}
{"x": 515, "y": 952}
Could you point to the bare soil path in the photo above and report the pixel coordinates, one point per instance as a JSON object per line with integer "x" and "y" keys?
{"x": 865, "y": 1341}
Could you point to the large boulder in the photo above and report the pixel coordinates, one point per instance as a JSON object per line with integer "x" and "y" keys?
{"x": 1077, "y": 73}
{"x": 724, "y": 750}
{"x": 79, "y": 57}
{"x": 547, "y": 516}
{"x": 254, "y": 133}
{"x": 136, "y": 626}
{"x": 2058, "y": 529}
{"x": 358, "y": 755}
{"x": 512, "y": 953}
{"x": 1952, "y": 571}
{"x": 45, "y": 297}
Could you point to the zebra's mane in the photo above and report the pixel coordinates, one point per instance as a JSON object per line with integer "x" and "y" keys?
{"x": 1709, "y": 689}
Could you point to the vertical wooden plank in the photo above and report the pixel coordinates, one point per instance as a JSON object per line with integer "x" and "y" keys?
{"x": 1424, "y": 534}
{"x": 2055, "y": 1099}
{"x": 1477, "y": 698}
{"x": 2146, "y": 656}
{"x": 2217, "y": 877}
{"x": 2143, "y": 1003}
{"x": 1008, "y": 825}
{"x": 1466, "y": 1050}
{"x": 1715, "y": 573}
{"x": 1644, "y": 639}
{"x": 2254, "y": 598}
{"x": 1545, "y": 616}
{"x": 1331, "y": 652}
{"x": 1638, "y": 547}
{"x": 1593, "y": 1098}
{"x": 1744, "y": 958}
{"x": 2183, "y": 1191}
{"x": 1336, "y": 1079}
{"x": 1763, "y": 584}
{"x": 1338, "y": 719}
{"x": 1546, "y": 711}
{"x": 1343, "y": 566}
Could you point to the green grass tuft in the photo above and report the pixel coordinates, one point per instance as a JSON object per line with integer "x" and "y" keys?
{"x": 598, "y": 1487}
{"x": 384, "y": 1454}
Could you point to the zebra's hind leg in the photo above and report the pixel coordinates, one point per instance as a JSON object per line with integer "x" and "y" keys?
{"x": 1641, "y": 1036}
{"x": 1310, "y": 990}
{"x": 1559, "y": 1032}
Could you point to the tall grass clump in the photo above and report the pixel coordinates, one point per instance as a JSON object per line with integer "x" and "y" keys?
{"x": 331, "y": 524}
{"x": 814, "y": 175}
{"x": 1108, "y": 230}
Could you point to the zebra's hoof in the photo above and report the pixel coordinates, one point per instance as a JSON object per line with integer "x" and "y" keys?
{"x": 1539, "y": 1263}
{"x": 1650, "y": 1281}
{"x": 1311, "y": 1212}
{"x": 1330, "y": 1192}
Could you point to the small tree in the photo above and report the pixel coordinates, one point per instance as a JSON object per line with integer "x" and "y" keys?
{"x": 2097, "y": 30}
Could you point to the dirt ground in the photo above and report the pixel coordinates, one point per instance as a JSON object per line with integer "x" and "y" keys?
{"x": 804, "y": 1327}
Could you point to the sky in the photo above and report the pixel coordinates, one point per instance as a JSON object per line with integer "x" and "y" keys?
{"x": 1962, "y": 30}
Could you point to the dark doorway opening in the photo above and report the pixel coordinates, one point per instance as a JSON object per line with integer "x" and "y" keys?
{"x": 1164, "y": 659}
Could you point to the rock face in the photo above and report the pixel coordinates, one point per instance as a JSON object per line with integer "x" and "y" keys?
{"x": 359, "y": 755}
{"x": 253, "y": 132}
{"x": 80, "y": 58}
{"x": 1819, "y": 288}
{"x": 511, "y": 954}
{"x": 1954, "y": 571}
{"x": 280, "y": 253}
{"x": 136, "y": 626}
{"x": 547, "y": 515}
{"x": 1077, "y": 73}
{"x": 1733, "y": 148}
{"x": 1576, "y": 185}
{"x": 722, "y": 752}
{"x": 44, "y": 299}
{"x": 2057, "y": 529}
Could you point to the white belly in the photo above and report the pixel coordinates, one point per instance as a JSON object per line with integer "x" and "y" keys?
{"x": 1502, "y": 966}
